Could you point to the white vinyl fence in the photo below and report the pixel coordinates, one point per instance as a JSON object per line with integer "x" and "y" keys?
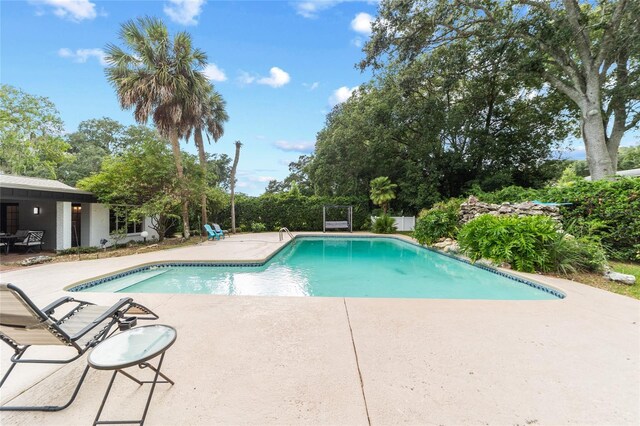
{"x": 403, "y": 223}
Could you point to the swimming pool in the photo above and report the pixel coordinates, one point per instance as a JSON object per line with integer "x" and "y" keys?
{"x": 332, "y": 266}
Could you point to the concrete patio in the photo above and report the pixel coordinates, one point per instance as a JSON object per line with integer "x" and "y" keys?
{"x": 335, "y": 361}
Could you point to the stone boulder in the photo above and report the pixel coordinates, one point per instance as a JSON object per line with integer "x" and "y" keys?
{"x": 447, "y": 245}
{"x": 36, "y": 260}
{"x": 472, "y": 208}
{"x": 620, "y": 278}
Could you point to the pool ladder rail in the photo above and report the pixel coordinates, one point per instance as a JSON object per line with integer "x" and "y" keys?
{"x": 282, "y": 230}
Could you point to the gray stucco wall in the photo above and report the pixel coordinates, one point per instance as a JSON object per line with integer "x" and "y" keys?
{"x": 45, "y": 221}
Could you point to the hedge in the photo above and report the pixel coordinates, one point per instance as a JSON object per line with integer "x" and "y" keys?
{"x": 296, "y": 212}
{"x": 609, "y": 210}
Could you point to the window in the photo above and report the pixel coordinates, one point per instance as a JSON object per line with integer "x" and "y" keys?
{"x": 119, "y": 219}
{"x": 9, "y": 218}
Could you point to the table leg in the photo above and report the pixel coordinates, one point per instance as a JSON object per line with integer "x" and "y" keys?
{"x": 153, "y": 387}
{"x": 140, "y": 382}
{"x": 104, "y": 400}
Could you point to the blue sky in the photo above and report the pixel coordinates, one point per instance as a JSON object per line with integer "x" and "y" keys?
{"x": 280, "y": 65}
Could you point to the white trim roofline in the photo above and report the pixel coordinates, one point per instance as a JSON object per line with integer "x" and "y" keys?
{"x": 38, "y": 184}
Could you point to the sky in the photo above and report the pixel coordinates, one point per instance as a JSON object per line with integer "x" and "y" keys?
{"x": 280, "y": 65}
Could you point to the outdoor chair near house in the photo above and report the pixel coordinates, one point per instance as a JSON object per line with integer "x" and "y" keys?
{"x": 85, "y": 325}
{"x": 211, "y": 233}
{"x": 4, "y": 247}
{"x": 20, "y": 234}
{"x": 219, "y": 230}
{"x": 32, "y": 240}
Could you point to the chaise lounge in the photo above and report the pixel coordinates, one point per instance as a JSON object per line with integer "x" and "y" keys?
{"x": 23, "y": 324}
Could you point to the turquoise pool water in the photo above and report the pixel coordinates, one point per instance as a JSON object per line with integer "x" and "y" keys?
{"x": 338, "y": 267}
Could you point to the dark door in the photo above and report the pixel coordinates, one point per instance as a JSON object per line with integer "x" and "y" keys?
{"x": 76, "y": 214}
{"x": 9, "y": 218}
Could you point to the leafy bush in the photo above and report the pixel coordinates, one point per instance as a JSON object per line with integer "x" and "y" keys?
{"x": 296, "y": 212}
{"x": 509, "y": 194}
{"x": 258, "y": 227}
{"x": 615, "y": 205}
{"x": 569, "y": 254}
{"x": 612, "y": 205}
{"x": 530, "y": 243}
{"x": 384, "y": 225}
{"x": 438, "y": 222}
{"x": 522, "y": 242}
{"x": 76, "y": 250}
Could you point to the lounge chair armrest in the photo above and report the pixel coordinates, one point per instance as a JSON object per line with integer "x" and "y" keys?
{"x": 109, "y": 313}
{"x": 53, "y": 305}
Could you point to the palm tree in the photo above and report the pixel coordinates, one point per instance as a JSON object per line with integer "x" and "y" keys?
{"x": 382, "y": 191}
{"x": 234, "y": 168}
{"x": 209, "y": 117}
{"x": 159, "y": 78}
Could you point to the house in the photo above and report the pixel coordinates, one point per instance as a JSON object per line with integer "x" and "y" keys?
{"x": 626, "y": 173}
{"x": 69, "y": 216}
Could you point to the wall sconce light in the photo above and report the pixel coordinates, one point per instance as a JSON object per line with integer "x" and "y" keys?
{"x": 36, "y": 210}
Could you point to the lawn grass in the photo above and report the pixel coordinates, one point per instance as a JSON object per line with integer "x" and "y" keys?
{"x": 597, "y": 280}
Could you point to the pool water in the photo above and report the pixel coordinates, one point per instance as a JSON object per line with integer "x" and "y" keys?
{"x": 337, "y": 267}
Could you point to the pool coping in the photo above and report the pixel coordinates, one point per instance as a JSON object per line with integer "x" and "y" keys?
{"x": 101, "y": 279}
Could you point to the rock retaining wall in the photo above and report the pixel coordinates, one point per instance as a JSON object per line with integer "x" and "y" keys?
{"x": 473, "y": 208}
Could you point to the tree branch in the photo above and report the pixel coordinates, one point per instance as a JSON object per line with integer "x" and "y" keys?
{"x": 612, "y": 28}
{"x": 633, "y": 123}
{"x": 564, "y": 88}
{"x": 582, "y": 40}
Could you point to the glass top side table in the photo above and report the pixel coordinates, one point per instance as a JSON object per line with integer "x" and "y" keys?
{"x": 130, "y": 348}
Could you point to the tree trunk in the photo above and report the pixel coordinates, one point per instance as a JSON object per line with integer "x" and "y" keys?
{"x": 203, "y": 165}
{"x": 595, "y": 142}
{"x": 177, "y": 156}
{"x": 233, "y": 187}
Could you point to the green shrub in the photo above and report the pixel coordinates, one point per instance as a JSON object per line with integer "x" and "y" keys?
{"x": 611, "y": 205}
{"x": 438, "y": 222}
{"x": 522, "y": 242}
{"x": 366, "y": 225}
{"x": 384, "y": 225}
{"x": 530, "y": 243}
{"x": 614, "y": 205}
{"x": 76, "y": 250}
{"x": 258, "y": 227}
{"x": 509, "y": 194}
{"x": 298, "y": 213}
{"x": 569, "y": 254}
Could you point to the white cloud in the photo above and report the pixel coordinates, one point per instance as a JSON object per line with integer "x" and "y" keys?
{"x": 277, "y": 78}
{"x": 184, "y": 12}
{"x": 306, "y": 147}
{"x": 213, "y": 73}
{"x": 362, "y": 23}
{"x": 341, "y": 95}
{"x": 262, "y": 179}
{"x": 83, "y": 55}
{"x": 311, "y": 8}
{"x": 244, "y": 78}
{"x": 311, "y": 86}
{"x": 75, "y": 10}
{"x": 357, "y": 42}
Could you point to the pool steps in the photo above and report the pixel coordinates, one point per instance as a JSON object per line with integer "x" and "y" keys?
{"x": 116, "y": 286}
